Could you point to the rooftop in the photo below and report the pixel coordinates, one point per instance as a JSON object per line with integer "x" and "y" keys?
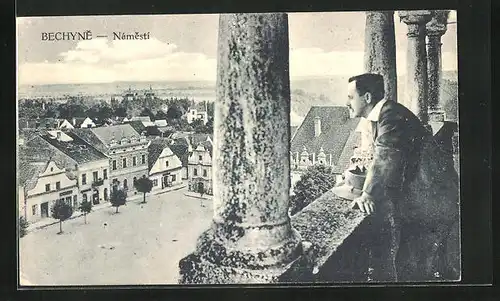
{"x": 155, "y": 149}
{"x": 336, "y": 127}
{"x": 101, "y": 137}
{"x": 77, "y": 149}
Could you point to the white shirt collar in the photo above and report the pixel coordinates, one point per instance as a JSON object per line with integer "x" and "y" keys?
{"x": 375, "y": 112}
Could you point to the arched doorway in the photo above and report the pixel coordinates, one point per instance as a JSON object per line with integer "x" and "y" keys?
{"x": 201, "y": 187}
{"x": 125, "y": 185}
{"x": 105, "y": 194}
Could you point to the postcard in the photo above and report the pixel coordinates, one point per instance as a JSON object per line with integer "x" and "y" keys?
{"x": 246, "y": 148}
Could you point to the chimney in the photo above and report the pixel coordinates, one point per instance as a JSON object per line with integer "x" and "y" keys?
{"x": 317, "y": 126}
{"x": 58, "y": 135}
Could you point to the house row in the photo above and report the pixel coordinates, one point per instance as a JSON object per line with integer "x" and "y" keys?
{"x": 86, "y": 164}
{"x": 56, "y": 123}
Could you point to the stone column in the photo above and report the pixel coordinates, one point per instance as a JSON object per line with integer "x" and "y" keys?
{"x": 435, "y": 29}
{"x": 416, "y": 60}
{"x": 251, "y": 238}
{"x": 380, "y": 49}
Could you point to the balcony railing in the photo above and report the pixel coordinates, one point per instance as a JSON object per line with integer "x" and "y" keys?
{"x": 98, "y": 183}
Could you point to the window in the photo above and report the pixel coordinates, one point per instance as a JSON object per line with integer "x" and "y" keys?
{"x": 166, "y": 163}
{"x": 124, "y": 162}
{"x": 105, "y": 194}
{"x": 114, "y": 164}
{"x": 58, "y": 185}
{"x": 143, "y": 159}
{"x": 204, "y": 172}
{"x": 105, "y": 174}
{"x": 95, "y": 175}
{"x": 134, "y": 161}
{"x": 75, "y": 201}
{"x": 84, "y": 179}
{"x": 200, "y": 157}
{"x": 68, "y": 201}
{"x": 125, "y": 183}
{"x": 173, "y": 178}
{"x": 155, "y": 182}
{"x": 84, "y": 197}
{"x": 47, "y": 187}
{"x": 135, "y": 179}
{"x": 34, "y": 210}
{"x": 195, "y": 172}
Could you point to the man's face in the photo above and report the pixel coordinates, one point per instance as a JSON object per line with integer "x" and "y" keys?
{"x": 355, "y": 102}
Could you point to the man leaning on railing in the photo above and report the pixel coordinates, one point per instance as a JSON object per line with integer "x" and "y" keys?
{"x": 410, "y": 191}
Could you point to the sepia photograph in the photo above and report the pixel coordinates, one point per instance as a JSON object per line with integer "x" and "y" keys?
{"x": 245, "y": 148}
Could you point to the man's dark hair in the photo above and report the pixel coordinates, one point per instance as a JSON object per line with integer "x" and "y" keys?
{"x": 371, "y": 83}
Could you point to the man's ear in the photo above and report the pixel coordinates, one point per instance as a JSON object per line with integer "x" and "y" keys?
{"x": 368, "y": 97}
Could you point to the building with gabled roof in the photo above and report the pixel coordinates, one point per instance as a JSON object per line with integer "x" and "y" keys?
{"x": 165, "y": 168}
{"x": 198, "y": 111}
{"x": 322, "y": 136}
{"x": 91, "y": 165}
{"x": 82, "y": 162}
{"x": 127, "y": 151}
{"x": 180, "y": 147}
{"x": 41, "y": 184}
{"x": 83, "y": 122}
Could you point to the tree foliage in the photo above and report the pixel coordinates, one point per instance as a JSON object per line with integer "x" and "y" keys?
{"x": 174, "y": 112}
{"x": 61, "y": 211}
{"x": 23, "y": 226}
{"x": 147, "y": 112}
{"x": 120, "y": 111}
{"x": 85, "y": 207}
{"x": 315, "y": 181}
{"x": 160, "y": 115}
{"x": 118, "y": 198}
{"x": 143, "y": 185}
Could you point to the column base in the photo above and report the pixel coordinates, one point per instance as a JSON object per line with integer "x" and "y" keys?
{"x": 212, "y": 263}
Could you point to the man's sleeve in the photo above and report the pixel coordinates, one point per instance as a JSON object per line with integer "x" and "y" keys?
{"x": 385, "y": 174}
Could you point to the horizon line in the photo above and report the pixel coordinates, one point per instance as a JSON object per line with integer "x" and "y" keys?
{"x": 303, "y": 77}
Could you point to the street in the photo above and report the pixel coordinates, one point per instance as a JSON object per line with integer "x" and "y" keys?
{"x": 142, "y": 244}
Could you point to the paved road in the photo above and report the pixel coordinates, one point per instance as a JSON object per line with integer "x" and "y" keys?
{"x": 142, "y": 244}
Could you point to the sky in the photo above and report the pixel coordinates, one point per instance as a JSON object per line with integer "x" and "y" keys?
{"x": 184, "y": 47}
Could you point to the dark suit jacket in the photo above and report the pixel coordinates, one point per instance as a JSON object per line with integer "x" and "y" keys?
{"x": 411, "y": 170}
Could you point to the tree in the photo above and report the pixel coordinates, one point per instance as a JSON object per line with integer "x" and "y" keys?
{"x": 118, "y": 198}
{"x": 23, "y": 226}
{"x": 120, "y": 111}
{"x": 198, "y": 126}
{"x": 174, "y": 112}
{"x": 160, "y": 115}
{"x": 143, "y": 185}
{"x": 316, "y": 180}
{"x": 85, "y": 207}
{"x": 147, "y": 112}
{"x": 61, "y": 211}
{"x": 70, "y": 110}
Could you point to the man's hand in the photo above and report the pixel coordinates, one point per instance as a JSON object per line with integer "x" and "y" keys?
{"x": 365, "y": 203}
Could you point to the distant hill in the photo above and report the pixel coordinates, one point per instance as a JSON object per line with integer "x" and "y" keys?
{"x": 332, "y": 90}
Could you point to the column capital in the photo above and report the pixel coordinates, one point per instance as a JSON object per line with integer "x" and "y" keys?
{"x": 415, "y": 16}
{"x": 437, "y": 26}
